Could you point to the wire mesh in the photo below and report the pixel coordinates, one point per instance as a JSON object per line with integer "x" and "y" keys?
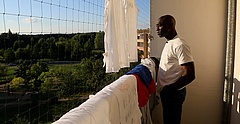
{"x": 51, "y": 43}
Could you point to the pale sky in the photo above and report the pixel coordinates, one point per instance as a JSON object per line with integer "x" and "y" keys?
{"x": 72, "y": 16}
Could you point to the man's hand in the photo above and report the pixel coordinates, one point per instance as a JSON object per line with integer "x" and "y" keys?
{"x": 187, "y": 77}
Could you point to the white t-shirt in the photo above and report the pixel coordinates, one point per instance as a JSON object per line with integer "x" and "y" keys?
{"x": 175, "y": 53}
{"x": 120, "y": 40}
{"x": 131, "y": 11}
{"x": 115, "y": 38}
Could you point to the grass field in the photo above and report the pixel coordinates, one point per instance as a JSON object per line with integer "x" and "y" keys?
{"x": 10, "y": 75}
{"x": 63, "y": 66}
{"x": 12, "y": 70}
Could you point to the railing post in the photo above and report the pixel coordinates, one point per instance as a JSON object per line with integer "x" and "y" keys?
{"x": 227, "y": 94}
{"x": 145, "y": 44}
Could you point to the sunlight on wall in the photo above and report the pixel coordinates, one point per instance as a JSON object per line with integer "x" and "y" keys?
{"x": 233, "y": 89}
{"x": 237, "y": 61}
{"x": 238, "y": 109}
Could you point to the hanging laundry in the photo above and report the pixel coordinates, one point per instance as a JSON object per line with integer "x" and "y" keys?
{"x": 120, "y": 40}
{"x": 143, "y": 94}
{"x": 125, "y": 89}
{"x": 131, "y": 12}
{"x": 142, "y": 72}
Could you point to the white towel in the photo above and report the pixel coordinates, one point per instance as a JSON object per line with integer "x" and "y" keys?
{"x": 125, "y": 88}
{"x": 75, "y": 116}
{"x": 98, "y": 108}
{"x": 93, "y": 111}
{"x": 116, "y": 103}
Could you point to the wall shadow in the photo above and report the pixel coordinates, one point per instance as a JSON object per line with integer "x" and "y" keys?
{"x": 235, "y": 111}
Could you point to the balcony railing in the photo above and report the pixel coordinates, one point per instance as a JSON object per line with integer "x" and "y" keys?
{"x": 51, "y": 56}
{"x": 120, "y": 101}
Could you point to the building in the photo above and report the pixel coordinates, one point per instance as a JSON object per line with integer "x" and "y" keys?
{"x": 140, "y": 40}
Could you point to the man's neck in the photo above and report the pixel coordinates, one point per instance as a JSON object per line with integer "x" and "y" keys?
{"x": 171, "y": 36}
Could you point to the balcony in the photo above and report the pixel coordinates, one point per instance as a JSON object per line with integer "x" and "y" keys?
{"x": 41, "y": 33}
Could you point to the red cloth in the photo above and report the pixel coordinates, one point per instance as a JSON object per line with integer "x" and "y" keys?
{"x": 143, "y": 92}
{"x": 151, "y": 87}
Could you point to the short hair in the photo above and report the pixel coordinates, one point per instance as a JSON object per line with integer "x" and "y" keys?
{"x": 167, "y": 20}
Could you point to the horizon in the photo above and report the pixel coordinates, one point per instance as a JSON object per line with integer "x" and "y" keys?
{"x": 60, "y": 17}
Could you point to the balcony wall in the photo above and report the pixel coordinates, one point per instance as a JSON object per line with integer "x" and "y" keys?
{"x": 202, "y": 24}
{"x": 235, "y": 114}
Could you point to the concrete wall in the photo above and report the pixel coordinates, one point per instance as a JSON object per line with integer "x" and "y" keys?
{"x": 203, "y": 24}
{"x": 235, "y": 115}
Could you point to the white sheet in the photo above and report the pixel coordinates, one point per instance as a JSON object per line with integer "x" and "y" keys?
{"x": 125, "y": 89}
{"x": 75, "y": 116}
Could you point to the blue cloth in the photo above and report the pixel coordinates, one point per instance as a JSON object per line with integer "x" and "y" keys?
{"x": 143, "y": 73}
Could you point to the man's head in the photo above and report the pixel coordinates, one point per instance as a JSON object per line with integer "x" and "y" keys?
{"x": 166, "y": 27}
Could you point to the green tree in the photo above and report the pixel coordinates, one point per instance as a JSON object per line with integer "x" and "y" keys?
{"x": 51, "y": 40}
{"x": 28, "y": 52}
{"x": 99, "y": 76}
{"x": 76, "y": 50}
{"x": 62, "y": 39}
{"x": 88, "y": 46}
{"x": 91, "y": 73}
{"x": 30, "y": 73}
{"x": 68, "y": 49}
{"x": 43, "y": 48}
{"x": 1, "y": 55}
{"x": 9, "y": 34}
{"x": 69, "y": 83}
{"x": 16, "y": 82}
{"x": 36, "y": 50}
{"x": 60, "y": 50}
{"x": 47, "y": 78}
{"x": 1, "y": 59}
{"x": 2, "y": 52}
{"x": 3, "y": 71}
{"x": 9, "y": 55}
{"x": 32, "y": 41}
{"x": 23, "y": 71}
{"x": 20, "y": 53}
{"x": 18, "y": 44}
{"x": 9, "y": 40}
{"x": 99, "y": 40}
{"x": 35, "y": 71}
{"x": 50, "y": 51}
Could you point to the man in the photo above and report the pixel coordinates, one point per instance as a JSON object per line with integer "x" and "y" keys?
{"x": 176, "y": 70}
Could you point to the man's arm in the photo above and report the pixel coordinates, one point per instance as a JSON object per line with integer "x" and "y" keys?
{"x": 187, "y": 77}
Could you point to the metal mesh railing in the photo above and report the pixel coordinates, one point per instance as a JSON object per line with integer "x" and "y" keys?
{"x": 51, "y": 56}
{"x": 52, "y": 16}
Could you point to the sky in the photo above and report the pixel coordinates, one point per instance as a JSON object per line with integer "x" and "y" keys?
{"x": 59, "y": 16}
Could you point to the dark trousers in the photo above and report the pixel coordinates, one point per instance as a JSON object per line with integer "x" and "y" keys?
{"x": 172, "y": 106}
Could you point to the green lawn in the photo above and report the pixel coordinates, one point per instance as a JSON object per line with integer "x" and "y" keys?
{"x": 12, "y": 71}
{"x": 63, "y": 66}
{"x": 10, "y": 74}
